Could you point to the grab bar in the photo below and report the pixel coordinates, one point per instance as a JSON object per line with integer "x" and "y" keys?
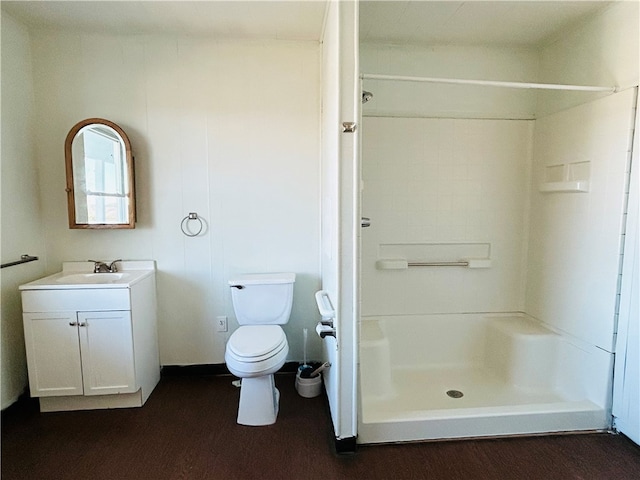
{"x": 325, "y": 307}
{"x": 438, "y": 264}
{"x": 402, "y": 264}
{"x": 23, "y": 259}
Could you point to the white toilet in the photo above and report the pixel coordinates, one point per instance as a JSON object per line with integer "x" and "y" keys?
{"x": 258, "y": 348}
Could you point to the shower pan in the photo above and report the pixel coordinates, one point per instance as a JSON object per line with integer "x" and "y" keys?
{"x": 471, "y": 375}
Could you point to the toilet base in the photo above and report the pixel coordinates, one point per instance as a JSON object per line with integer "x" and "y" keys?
{"x": 259, "y": 400}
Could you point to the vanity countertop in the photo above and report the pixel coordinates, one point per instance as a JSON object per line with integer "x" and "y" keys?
{"x": 80, "y": 275}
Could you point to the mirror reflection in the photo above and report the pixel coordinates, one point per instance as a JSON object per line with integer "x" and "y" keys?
{"x": 99, "y": 176}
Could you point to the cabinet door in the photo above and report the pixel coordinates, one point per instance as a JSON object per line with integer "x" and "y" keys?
{"x": 53, "y": 354}
{"x": 106, "y": 346}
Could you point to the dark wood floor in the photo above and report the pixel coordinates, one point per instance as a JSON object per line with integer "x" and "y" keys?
{"x": 187, "y": 430}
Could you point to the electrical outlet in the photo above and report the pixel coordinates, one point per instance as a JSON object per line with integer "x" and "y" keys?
{"x": 221, "y": 324}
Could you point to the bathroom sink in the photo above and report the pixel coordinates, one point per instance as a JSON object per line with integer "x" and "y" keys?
{"x": 80, "y": 275}
{"x": 89, "y": 278}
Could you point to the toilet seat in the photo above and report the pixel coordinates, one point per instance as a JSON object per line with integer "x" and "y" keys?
{"x": 254, "y": 350}
{"x": 255, "y": 341}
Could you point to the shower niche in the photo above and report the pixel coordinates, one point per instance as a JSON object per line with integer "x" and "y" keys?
{"x": 566, "y": 178}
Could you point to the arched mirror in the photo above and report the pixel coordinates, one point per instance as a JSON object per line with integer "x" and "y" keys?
{"x": 100, "y": 180}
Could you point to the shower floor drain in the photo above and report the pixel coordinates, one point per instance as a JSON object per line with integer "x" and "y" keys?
{"x": 455, "y": 393}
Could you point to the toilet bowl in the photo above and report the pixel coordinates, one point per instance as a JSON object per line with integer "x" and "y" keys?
{"x": 254, "y": 353}
{"x": 256, "y": 350}
{"x": 259, "y": 348}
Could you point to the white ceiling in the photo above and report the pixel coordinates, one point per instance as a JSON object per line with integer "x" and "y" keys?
{"x": 505, "y": 23}
{"x": 231, "y": 19}
{"x": 514, "y": 23}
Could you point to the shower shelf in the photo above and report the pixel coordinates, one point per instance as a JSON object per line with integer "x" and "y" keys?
{"x": 564, "y": 187}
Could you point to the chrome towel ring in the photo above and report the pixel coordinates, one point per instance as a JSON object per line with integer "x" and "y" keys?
{"x": 184, "y": 225}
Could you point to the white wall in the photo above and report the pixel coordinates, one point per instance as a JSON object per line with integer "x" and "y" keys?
{"x": 21, "y": 216}
{"x": 229, "y": 130}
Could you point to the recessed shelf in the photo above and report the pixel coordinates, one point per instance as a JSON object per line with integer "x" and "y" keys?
{"x": 564, "y": 187}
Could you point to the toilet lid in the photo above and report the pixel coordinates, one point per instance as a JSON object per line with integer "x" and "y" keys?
{"x": 252, "y": 341}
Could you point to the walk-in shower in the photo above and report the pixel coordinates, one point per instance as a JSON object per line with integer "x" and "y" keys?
{"x": 475, "y": 319}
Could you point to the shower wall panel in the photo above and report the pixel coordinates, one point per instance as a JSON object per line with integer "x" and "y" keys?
{"x": 576, "y": 236}
{"x": 445, "y": 181}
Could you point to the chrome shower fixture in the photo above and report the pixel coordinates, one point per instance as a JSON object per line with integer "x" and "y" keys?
{"x": 366, "y": 96}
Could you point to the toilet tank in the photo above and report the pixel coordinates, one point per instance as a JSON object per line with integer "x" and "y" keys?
{"x": 262, "y": 298}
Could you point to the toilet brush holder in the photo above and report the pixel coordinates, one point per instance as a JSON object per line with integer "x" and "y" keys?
{"x": 308, "y": 387}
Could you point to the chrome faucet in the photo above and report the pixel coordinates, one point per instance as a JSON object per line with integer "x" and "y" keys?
{"x": 102, "y": 267}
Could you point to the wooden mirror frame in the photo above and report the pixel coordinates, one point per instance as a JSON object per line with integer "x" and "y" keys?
{"x": 71, "y": 203}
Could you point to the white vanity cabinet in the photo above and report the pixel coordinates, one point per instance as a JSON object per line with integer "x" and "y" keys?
{"x": 80, "y": 353}
{"x": 91, "y": 346}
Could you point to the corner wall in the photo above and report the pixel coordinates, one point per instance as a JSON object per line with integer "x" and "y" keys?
{"x": 21, "y": 216}
{"x": 604, "y": 51}
{"x": 574, "y": 260}
{"x": 575, "y": 237}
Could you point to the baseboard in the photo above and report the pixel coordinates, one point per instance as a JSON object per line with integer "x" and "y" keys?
{"x": 213, "y": 369}
{"x": 24, "y": 403}
{"x": 194, "y": 370}
{"x": 346, "y": 446}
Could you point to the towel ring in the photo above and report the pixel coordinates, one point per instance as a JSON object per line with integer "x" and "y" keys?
{"x": 184, "y": 225}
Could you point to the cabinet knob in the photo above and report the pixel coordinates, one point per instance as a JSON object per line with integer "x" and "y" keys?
{"x": 83, "y": 324}
{"x": 73, "y": 324}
